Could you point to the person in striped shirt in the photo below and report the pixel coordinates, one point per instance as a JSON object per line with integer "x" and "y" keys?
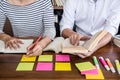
{"x": 28, "y": 18}
{"x": 90, "y": 17}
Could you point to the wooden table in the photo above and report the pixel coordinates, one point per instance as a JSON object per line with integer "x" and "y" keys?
{"x": 9, "y": 62}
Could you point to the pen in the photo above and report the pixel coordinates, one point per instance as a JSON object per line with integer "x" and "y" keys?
{"x": 35, "y": 43}
{"x": 96, "y": 62}
{"x": 104, "y": 63}
{"x": 117, "y": 66}
{"x": 110, "y": 65}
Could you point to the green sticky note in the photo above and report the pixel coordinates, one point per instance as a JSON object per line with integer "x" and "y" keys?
{"x": 25, "y": 67}
{"x": 31, "y": 58}
{"x": 62, "y": 66}
{"x": 85, "y": 66}
{"x": 45, "y": 58}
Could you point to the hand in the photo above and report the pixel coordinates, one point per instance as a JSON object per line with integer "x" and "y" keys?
{"x": 12, "y": 43}
{"x": 75, "y": 38}
{"x": 38, "y": 48}
{"x": 36, "y": 51}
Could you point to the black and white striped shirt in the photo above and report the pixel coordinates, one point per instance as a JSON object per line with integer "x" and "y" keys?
{"x": 30, "y": 20}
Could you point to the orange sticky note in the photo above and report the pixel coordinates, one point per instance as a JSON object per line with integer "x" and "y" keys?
{"x": 96, "y": 76}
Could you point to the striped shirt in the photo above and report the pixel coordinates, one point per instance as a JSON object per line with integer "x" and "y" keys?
{"x": 29, "y": 20}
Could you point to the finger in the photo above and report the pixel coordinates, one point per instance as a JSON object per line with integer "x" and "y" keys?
{"x": 80, "y": 55}
{"x": 36, "y": 53}
{"x": 71, "y": 39}
{"x": 6, "y": 45}
{"x": 29, "y": 53}
{"x": 86, "y": 37}
{"x": 30, "y": 46}
{"x": 19, "y": 41}
{"x": 37, "y": 49}
{"x": 9, "y": 45}
{"x": 14, "y": 44}
{"x": 77, "y": 40}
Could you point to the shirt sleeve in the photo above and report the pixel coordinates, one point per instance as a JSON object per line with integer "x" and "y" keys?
{"x": 48, "y": 20}
{"x": 68, "y": 17}
{"x": 113, "y": 21}
{"x": 2, "y": 21}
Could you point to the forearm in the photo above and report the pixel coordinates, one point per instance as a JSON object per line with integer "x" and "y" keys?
{"x": 44, "y": 42}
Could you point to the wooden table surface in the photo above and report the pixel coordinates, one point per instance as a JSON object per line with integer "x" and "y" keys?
{"x": 9, "y": 63}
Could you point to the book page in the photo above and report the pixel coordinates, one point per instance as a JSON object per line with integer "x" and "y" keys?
{"x": 92, "y": 43}
{"x": 66, "y": 43}
{"x": 67, "y": 47}
{"x": 74, "y": 49}
{"x": 2, "y": 46}
{"x": 116, "y": 42}
{"x": 55, "y": 45}
{"x": 23, "y": 47}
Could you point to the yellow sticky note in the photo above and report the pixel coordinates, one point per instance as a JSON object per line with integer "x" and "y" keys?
{"x": 45, "y": 58}
{"x": 62, "y": 66}
{"x": 96, "y": 76}
{"x": 31, "y": 58}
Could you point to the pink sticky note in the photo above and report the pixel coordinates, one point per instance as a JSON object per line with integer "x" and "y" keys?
{"x": 93, "y": 71}
{"x": 62, "y": 58}
{"x": 44, "y": 66}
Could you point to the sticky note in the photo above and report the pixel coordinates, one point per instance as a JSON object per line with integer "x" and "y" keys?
{"x": 45, "y": 58}
{"x": 97, "y": 76}
{"x": 62, "y": 58}
{"x": 31, "y": 58}
{"x": 62, "y": 66}
{"x": 92, "y": 71}
{"x": 44, "y": 66}
{"x": 85, "y": 66}
{"x": 25, "y": 67}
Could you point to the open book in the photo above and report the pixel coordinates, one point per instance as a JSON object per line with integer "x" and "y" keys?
{"x": 60, "y": 44}
{"x": 22, "y": 49}
{"x": 116, "y": 40}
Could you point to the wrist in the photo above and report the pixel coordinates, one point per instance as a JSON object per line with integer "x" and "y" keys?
{"x": 5, "y": 37}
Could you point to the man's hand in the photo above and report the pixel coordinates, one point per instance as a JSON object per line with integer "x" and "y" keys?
{"x": 75, "y": 38}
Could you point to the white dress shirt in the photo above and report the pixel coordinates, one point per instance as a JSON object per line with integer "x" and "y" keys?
{"x": 90, "y": 16}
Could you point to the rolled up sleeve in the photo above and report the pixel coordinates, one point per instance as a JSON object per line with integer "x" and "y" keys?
{"x": 48, "y": 20}
{"x": 68, "y": 17}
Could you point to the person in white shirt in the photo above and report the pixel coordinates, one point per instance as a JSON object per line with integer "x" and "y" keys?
{"x": 90, "y": 16}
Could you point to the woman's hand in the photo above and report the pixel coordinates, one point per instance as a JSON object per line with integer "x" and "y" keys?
{"x": 38, "y": 48}
{"x": 12, "y": 43}
{"x": 36, "y": 51}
